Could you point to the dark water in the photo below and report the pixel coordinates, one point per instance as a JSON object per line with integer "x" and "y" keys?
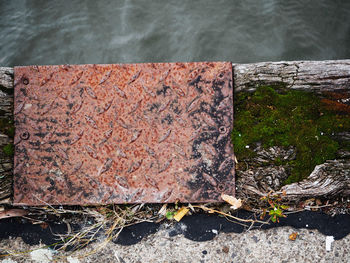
{"x": 77, "y": 32}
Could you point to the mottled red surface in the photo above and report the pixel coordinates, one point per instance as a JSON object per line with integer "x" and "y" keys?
{"x": 137, "y": 133}
{"x": 337, "y": 101}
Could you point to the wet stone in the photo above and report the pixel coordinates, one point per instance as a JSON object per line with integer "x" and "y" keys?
{"x": 134, "y": 133}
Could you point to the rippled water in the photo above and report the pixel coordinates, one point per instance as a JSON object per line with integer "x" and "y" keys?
{"x": 77, "y": 32}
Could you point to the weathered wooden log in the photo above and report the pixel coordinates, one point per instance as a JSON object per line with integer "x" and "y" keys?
{"x": 315, "y": 76}
{"x": 329, "y": 179}
{"x": 6, "y": 129}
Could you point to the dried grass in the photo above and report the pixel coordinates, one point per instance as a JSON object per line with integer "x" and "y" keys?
{"x": 104, "y": 223}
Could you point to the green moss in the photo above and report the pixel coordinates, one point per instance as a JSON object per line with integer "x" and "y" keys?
{"x": 8, "y": 149}
{"x": 7, "y": 127}
{"x": 292, "y": 118}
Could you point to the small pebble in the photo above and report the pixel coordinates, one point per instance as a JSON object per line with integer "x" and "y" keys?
{"x": 225, "y": 249}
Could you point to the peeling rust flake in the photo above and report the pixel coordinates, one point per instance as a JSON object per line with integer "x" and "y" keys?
{"x": 134, "y": 133}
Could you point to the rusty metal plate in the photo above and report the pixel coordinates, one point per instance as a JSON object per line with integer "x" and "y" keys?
{"x": 136, "y": 133}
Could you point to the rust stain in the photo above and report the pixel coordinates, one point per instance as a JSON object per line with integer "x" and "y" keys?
{"x": 136, "y": 133}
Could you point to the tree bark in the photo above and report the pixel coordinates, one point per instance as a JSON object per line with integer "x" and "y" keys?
{"x": 315, "y": 76}
{"x": 327, "y": 180}
{"x": 6, "y": 109}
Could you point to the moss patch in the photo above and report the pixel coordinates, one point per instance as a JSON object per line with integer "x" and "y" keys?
{"x": 7, "y": 127}
{"x": 8, "y": 149}
{"x": 292, "y": 118}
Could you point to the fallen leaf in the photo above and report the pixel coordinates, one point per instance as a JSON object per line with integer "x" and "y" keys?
{"x": 162, "y": 211}
{"x": 293, "y": 236}
{"x": 234, "y": 202}
{"x": 12, "y": 213}
{"x": 181, "y": 213}
{"x": 191, "y": 207}
{"x": 309, "y": 202}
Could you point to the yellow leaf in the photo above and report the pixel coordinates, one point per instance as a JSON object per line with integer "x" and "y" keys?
{"x": 181, "y": 213}
{"x": 234, "y": 202}
{"x": 293, "y": 236}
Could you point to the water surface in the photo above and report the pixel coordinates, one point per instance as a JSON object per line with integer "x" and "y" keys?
{"x": 125, "y": 31}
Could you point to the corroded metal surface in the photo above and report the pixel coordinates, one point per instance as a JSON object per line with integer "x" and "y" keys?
{"x": 94, "y": 134}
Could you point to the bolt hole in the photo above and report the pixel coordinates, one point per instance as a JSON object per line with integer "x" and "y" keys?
{"x": 24, "y": 135}
{"x": 222, "y": 129}
{"x": 221, "y": 187}
{"x": 25, "y": 81}
{"x": 24, "y": 190}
